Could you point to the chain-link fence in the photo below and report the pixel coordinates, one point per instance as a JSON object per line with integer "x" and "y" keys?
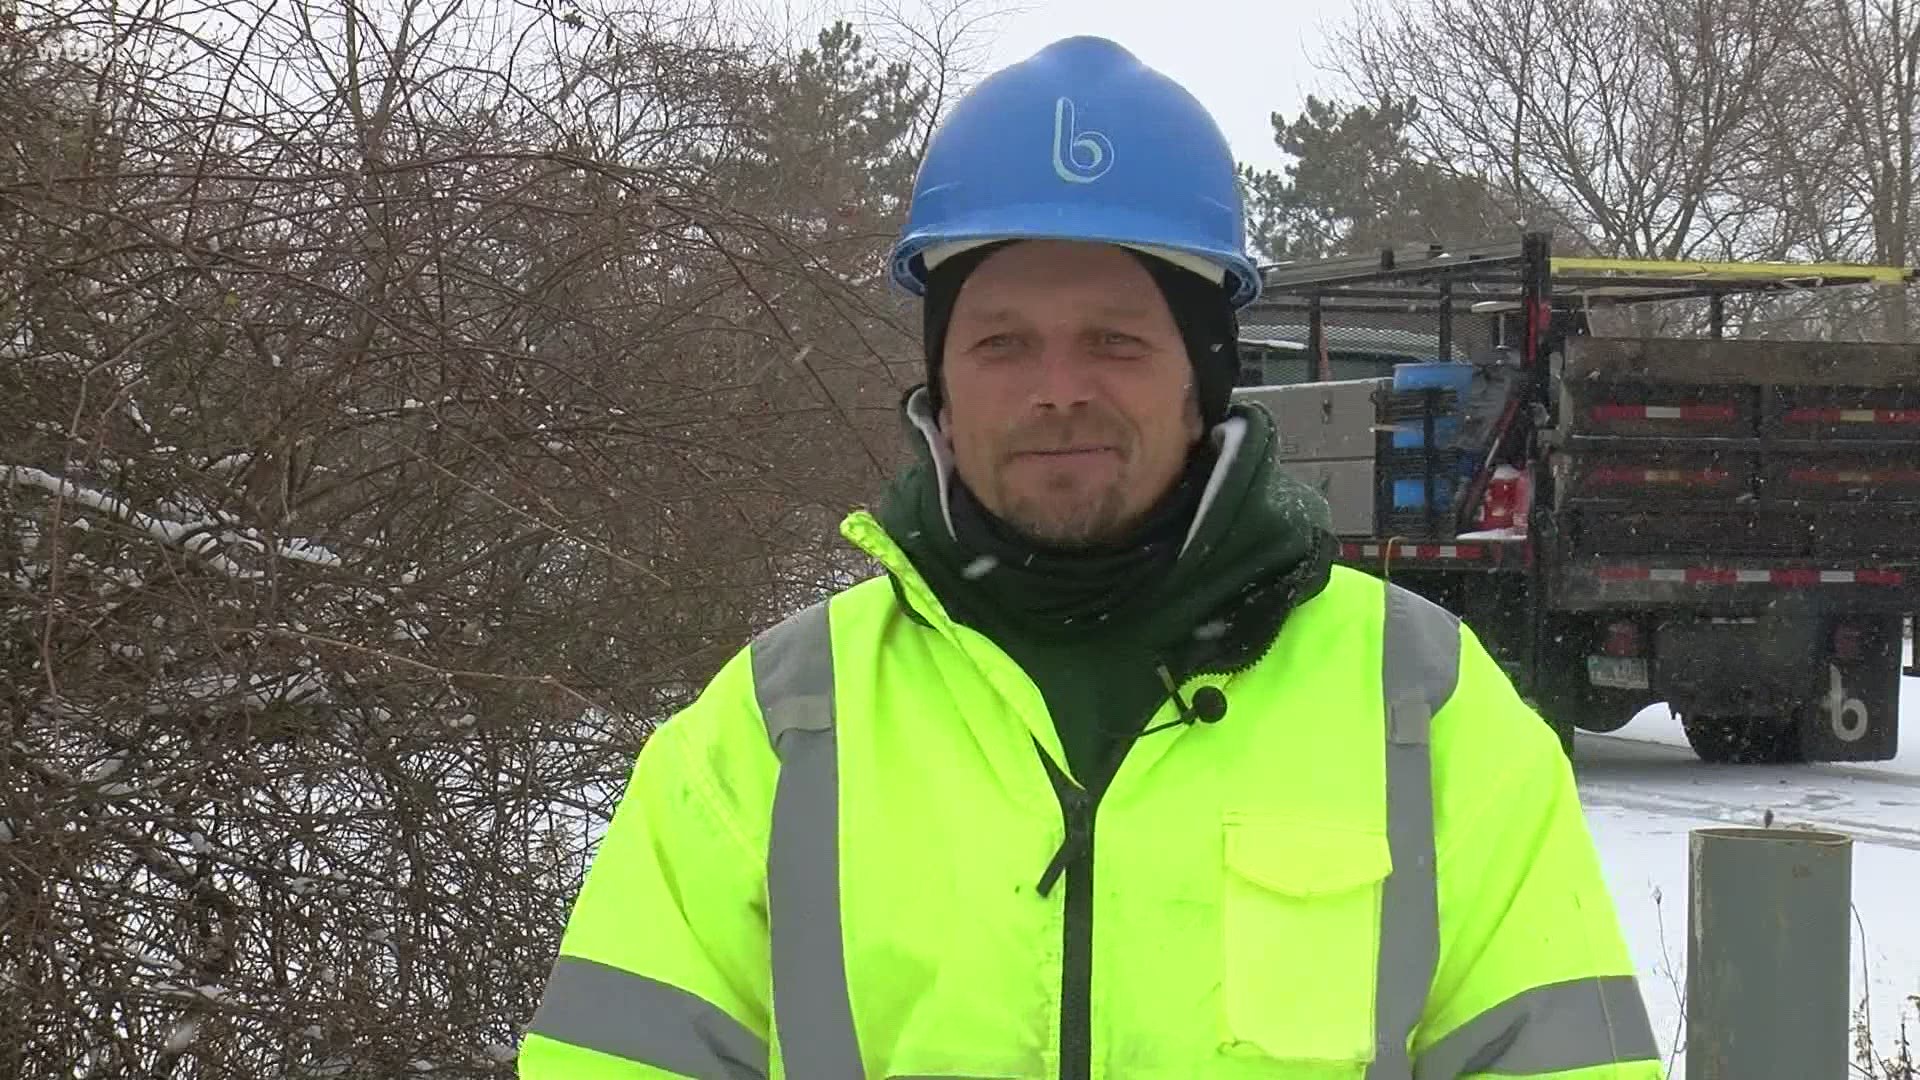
{"x": 1360, "y": 342}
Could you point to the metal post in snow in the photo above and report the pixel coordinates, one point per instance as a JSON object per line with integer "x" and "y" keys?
{"x": 1767, "y": 962}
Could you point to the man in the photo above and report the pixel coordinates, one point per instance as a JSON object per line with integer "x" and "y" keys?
{"x": 1109, "y": 774}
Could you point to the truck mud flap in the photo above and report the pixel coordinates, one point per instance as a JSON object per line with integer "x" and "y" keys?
{"x": 1853, "y": 714}
{"x": 1825, "y": 687}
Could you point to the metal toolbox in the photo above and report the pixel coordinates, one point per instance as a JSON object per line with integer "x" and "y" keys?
{"x": 1346, "y": 485}
{"x": 1322, "y": 421}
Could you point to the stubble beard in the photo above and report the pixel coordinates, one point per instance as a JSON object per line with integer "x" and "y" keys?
{"x": 1062, "y": 516}
{"x": 1064, "y": 512}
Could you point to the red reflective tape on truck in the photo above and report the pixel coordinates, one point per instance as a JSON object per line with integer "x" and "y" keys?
{"x": 1721, "y": 575}
{"x": 1854, "y": 416}
{"x": 1614, "y": 474}
{"x": 1692, "y": 413}
{"x": 1415, "y": 551}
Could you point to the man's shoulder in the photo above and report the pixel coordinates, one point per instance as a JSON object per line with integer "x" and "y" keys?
{"x": 867, "y": 597}
{"x": 1360, "y": 590}
{"x": 1351, "y": 601}
{"x": 791, "y": 645}
{"x": 751, "y": 698}
{"x": 1427, "y": 653}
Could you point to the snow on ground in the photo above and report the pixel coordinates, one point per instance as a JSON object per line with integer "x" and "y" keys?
{"x": 1645, "y": 792}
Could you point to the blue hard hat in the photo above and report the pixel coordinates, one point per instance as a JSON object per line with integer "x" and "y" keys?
{"x": 1081, "y": 141}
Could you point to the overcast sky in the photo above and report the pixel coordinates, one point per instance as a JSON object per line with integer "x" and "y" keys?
{"x": 1244, "y": 59}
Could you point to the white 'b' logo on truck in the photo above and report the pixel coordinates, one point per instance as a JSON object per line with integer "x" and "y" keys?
{"x": 1846, "y": 715}
{"x": 1079, "y": 157}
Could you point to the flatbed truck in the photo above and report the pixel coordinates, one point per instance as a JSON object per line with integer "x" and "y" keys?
{"x": 1727, "y": 522}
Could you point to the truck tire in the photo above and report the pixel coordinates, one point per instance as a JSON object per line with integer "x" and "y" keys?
{"x": 1743, "y": 740}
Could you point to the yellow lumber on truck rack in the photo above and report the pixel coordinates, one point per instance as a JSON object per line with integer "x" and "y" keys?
{"x": 1827, "y": 272}
{"x": 1493, "y": 277}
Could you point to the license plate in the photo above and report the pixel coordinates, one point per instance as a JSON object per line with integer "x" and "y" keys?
{"x": 1618, "y": 672}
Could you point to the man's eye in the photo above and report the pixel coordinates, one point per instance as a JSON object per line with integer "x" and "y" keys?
{"x": 1113, "y": 339}
{"x": 995, "y": 342}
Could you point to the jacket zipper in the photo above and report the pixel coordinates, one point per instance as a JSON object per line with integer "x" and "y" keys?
{"x": 1074, "y": 862}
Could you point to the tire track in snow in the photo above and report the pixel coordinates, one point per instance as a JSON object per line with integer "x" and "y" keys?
{"x": 1791, "y": 773}
{"x": 1662, "y": 780}
{"x": 1862, "y": 832}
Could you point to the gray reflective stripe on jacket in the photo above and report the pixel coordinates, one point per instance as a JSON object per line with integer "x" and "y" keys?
{"x": 1548, "y": 1029}
{"x": 793, "y": 681}
{"x": 1420, "y": 667}
{"x": 615, "y": 1012}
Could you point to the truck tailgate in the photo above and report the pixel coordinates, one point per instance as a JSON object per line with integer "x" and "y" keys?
{"x": 1739, "y": 468}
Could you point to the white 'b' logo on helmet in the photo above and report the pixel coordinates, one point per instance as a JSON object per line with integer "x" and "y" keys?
{"x": 1079, "y": 157}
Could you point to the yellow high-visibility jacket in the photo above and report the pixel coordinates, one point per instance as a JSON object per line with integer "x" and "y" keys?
{"x": 829, "y": 866}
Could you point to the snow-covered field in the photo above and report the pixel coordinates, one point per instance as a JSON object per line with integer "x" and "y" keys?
{"x": 1645, "y": 791}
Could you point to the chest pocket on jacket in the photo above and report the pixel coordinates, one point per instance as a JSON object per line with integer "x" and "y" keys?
{"x": 1302, "y": 933}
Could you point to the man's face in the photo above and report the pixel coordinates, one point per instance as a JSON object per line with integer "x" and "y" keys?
{"x": 1068, "y": 396}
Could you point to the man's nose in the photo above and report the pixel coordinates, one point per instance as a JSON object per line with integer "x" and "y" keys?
{"x": 1063, "y": 377}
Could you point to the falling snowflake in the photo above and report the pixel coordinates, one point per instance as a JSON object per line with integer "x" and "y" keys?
{"x": 182, "y": 1035}
{"x": 1212, "y": 631}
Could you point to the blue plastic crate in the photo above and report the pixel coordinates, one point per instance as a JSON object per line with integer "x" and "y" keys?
{"x": 1410, "y": 493}
{"x": 1436, "y": 375}
{"x": 1406, "y": 473}
{"x": 1412, "y": 434}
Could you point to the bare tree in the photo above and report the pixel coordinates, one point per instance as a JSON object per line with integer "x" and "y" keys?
{"x": 1637, "y": 121}
{"x": 402, "y": 410}
{"x": 946, "y": 39}
{"x": 1852, "y": 162}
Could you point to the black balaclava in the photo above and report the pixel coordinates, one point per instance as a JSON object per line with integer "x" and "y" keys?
{"x": 1059, "y": 590}
{"x": 1202, "y": 309}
